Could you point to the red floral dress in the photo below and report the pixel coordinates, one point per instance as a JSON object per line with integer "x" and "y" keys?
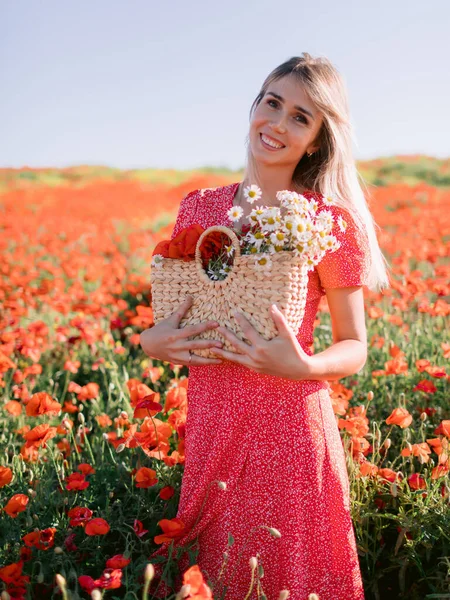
{"x": 276, "y": 444}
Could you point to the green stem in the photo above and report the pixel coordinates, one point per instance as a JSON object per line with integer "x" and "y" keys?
{"x": 75, "y": 443}
{"x": 239, "y": 556}
{"x": 56, "y": 468}
{"x": 252, "y": 582}
{"x": 86, "y": 441}
{"x": 165, "y": 568}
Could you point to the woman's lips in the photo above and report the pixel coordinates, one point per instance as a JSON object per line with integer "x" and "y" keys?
{"x": 267, "y": 145}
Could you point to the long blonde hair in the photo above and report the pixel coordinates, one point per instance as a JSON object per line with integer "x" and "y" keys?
{"x": 331, "y": 170}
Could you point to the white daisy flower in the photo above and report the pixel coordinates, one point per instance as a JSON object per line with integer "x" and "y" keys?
{"x": 263, "y": 263}
{"x": 299, "y": 204}
{"x": 303, "y": 226}
{"x": 252, "y": 193}
{"x": 211, "y": 274}
{"x": 324, "y": 219}
{"x": 157, "y": 261}
{"x": 273, "y": 249}
{"x": 287, "y": 198}
{"x": 303, "y": 199}
{"x": 329, "y": 200}
{"x": 256, "y": 215}
{"x": 299, "y": 227}
{"x": 235, "y": 213}
{"x": 299, "y": 249}
{"x": 272, "y": 219}
{"x": 333, "y": 243}
{"x": 225, "y": 270}
{"x": 311, "y": 263}
{"x": 320, "y": 234}
{"x": 270, "y": 225}
{"x": 304, "y": 238}
{"x": 291, "y": 209}
{"x": 341, "y": 223}
{"x": 285, "y": 194}
{"x": 229, "y": 249}
{"x": 289, "y": 223}
{"x": 256, "y": 239}
{"x": 313, "y": 205}
{"x": 278, "y": 238}
{"x": 329, "y": 242}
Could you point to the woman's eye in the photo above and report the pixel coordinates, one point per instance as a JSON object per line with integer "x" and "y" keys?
{"x": 303, "y": 119}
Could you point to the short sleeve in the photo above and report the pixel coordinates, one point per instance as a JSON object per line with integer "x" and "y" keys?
{"x": 348, "y": 265}
{"x": 186, "y": 213}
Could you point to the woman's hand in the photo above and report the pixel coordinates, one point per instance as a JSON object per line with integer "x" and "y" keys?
{"x": 282, "y": 356}
{"x": 165, "y": 341}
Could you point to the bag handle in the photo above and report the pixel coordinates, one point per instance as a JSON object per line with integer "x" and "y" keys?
{"x": 198, "y": 258}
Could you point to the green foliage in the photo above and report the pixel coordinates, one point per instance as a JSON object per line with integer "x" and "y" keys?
{"x": 409, "y": 170}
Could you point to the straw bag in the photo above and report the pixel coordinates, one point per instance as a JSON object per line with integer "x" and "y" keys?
{"x": 245, "y": 289}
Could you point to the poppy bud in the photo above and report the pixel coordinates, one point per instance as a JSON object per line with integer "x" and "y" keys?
{"x": 149, "y": 572}
{"x": 61, "y": 582}
{"x": 274, "y": 532}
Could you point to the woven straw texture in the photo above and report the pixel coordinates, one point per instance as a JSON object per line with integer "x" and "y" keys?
{"x": 245, "y": 289}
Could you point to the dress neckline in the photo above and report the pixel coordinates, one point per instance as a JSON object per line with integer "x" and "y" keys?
{"x": 235, "y": 186}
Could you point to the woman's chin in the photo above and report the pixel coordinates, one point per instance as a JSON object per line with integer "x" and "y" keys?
{"x": 263, "y": 155}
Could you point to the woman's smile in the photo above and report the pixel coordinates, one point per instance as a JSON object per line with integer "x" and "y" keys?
{"x": 268, "y": 143}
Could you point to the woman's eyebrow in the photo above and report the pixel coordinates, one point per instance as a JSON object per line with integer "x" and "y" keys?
{"x": 300, "y": 108}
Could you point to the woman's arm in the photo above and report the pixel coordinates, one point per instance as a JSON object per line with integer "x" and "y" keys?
{"x": 348, "y": 354}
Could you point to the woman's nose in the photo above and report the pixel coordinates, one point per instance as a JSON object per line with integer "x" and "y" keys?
{"x": 279, "y": 125}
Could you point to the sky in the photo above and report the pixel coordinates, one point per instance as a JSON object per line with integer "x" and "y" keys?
{"x": 139, "y": 84}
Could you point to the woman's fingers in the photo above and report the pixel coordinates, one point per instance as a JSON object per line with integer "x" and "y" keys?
{"x": 202, "y": 344}
{"x": 238, "y": 345}
{"x": 191, "y": 330}
{"x": 179, "y": 313}
{"x": 203, "y": 360}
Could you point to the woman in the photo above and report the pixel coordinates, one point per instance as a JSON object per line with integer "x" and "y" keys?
{"x": 260, "y": 421}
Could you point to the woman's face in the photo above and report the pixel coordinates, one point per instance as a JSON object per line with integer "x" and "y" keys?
{"x": 279, "y": 119}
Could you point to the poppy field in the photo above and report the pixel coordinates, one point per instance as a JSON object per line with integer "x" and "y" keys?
{"x": 92, "y": 430}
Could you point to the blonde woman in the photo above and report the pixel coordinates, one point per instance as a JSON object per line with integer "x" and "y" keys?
{"x": 260, "y": 420}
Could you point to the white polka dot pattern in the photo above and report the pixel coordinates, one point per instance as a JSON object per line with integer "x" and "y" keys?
{"x": 276, "y": 444}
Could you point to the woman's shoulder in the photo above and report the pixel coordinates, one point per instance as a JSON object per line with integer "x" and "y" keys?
{"x": 220, "y": 190}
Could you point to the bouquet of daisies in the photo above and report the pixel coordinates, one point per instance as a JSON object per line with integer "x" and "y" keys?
{"x": 267, "y": 261}
{"x": 293, "y": 226}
